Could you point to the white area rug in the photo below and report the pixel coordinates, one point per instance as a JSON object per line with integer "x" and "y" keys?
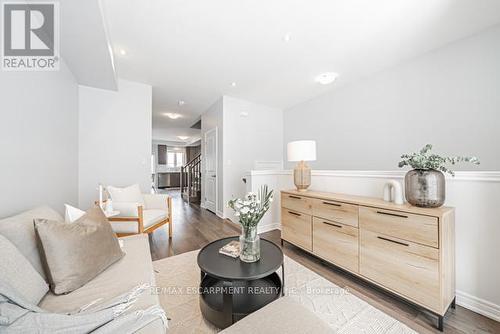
{"x": 178, "y": 278}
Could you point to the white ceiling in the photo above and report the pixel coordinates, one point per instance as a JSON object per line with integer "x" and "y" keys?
{"x": 85, "y": 46}
{"x": 193, "y": 50}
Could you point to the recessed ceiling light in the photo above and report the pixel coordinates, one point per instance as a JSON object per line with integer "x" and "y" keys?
{"x": 172, "y": 115}
{"x": 287, "y": 37}
{"x": 233, "y": 84}
{"x": 182, "y": 102}
{"x": 123, "y": 52}
{"x": 182, "y": 137}
{"x": 326, "y": 78}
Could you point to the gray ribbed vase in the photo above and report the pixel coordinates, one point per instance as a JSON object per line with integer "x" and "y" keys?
{"x": 425, "y": 188}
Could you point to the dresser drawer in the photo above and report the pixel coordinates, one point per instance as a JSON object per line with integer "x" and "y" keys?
{"x": 336, "y": 211}
{"x": 409, "y": 269}
{"x": 337, "y": 243}
{"x": 296, "y": 203}
{"x": 296, "y": 228}
{"x": 416, "y": 228}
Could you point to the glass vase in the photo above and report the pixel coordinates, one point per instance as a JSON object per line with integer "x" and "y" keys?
{"x": 249, "y": 244}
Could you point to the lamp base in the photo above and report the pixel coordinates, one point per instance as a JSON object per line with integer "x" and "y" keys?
{"x": 302, "y": 176}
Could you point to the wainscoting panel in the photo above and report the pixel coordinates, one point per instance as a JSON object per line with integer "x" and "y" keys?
{"x": 476, "y": 197}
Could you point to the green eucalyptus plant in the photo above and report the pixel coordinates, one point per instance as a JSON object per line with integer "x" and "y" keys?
{"x": 424, "y": 160}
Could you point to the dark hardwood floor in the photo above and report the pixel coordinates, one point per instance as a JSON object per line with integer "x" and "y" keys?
{"x": 194, "y": 227}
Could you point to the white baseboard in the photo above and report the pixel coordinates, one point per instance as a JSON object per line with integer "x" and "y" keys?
{"x": 478, "y": 305}
{"x": 269, "y": 227}
{"x": 220, "y": 214}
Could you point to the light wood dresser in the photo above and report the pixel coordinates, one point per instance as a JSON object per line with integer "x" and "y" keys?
{"x": 406, "y": 250}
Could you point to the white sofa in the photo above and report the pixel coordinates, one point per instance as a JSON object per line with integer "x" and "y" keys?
{"x": 133, "y": 269}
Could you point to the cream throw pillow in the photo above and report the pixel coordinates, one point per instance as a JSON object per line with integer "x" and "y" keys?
{"x": 73, "y": 254}
{"x": 131, "y": 194}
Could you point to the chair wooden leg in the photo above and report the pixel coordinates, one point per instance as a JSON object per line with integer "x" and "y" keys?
{"x": 169, "y": 203}
{"x": 140, "y": 225}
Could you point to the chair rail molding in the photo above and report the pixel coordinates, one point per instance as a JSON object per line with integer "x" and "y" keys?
{"x": 488, "y": 176}
{"x": 474, "y": 194}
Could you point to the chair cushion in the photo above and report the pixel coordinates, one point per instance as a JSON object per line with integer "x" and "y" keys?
{"x": 151, "y": 217}
{"x": 128, "y": 194}
{"x": 20, "y": 231}
{"x": 76, "y": 253}
{"x": 155, "y": 201}
{"x": 19, "y": 274}
{"x": 127, "y": 209}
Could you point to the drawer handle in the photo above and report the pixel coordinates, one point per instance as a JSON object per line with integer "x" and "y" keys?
{"x": 294, "y": 213}
{"x": 394, "y": 241}
{"x": 391, "y": 214}
{"x": 294, "y": 197}
{"x": 334, "y": 204}
{"x": 332, "y": 224}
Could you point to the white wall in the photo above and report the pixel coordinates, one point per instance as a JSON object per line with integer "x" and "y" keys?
{"x": 38, "y": 140}
{"x": 474, "y": 195}
{"x": 247, "y": 132}
{"x": 252, "y": 133}
{"x": 114, "y": 138}
{"x": 211, "y": 119}
{"x": 448, "y": 97}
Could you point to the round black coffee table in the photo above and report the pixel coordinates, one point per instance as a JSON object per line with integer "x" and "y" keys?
{"x": 230, "y": 289}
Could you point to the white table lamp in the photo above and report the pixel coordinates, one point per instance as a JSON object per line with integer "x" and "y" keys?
{"x": 302, "y": 151}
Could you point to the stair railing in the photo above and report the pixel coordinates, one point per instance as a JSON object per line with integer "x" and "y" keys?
{"x": 191, "y": 178}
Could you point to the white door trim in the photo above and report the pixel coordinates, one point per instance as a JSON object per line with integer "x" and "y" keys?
{"x": 216, "y": 166}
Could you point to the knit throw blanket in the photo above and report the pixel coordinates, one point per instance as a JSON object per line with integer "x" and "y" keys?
{"x": 19, "y": 316}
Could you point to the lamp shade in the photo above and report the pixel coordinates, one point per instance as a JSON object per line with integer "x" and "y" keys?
{"x": 301, "y": 150}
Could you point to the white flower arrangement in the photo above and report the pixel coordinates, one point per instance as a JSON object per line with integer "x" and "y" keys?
{"x": 251, "y": 208}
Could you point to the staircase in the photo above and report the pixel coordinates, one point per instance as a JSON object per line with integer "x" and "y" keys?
{"x": 191, "y": 180}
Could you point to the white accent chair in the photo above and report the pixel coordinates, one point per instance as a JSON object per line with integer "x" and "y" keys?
{"x": 139, "y": 213}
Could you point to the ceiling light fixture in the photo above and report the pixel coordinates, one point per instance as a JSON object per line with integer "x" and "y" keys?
{"x": 182, "y": 102}
{"x": 326, "y": 78}
{"x": 287, "y": 38}
{"x": 233, "y": 84}
{"x": 182, "y": 137}
{"x": 123, "y": 52}
{"x": 172, "y": 115}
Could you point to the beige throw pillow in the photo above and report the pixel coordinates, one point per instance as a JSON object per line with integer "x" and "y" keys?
{"x": 73, "y": 254}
